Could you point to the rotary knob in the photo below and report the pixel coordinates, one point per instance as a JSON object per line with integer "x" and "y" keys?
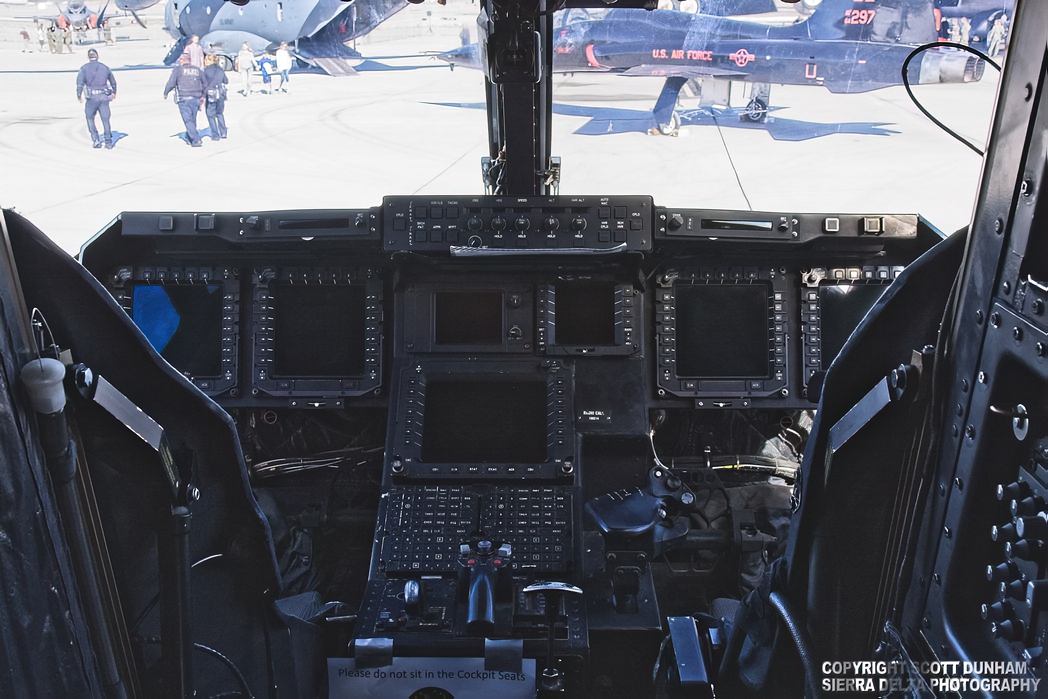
{"x": 474, "y": 223}
{"x": 521, "y": 223}
{"x": 578, "y": 224}
{"x": 474, "y": 241}
{"x": 498, "y": 223}
{"x": 675, "y": 222}
{"x": 552, "y": 223}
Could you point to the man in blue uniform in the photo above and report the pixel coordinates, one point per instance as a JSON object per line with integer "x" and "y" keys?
{"x": 96, "y": 81}
{"x": 189, "y": 85}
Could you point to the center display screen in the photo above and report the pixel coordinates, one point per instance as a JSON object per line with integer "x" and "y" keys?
{"x": 319, "y": 330}
{"x": 484, "y": 420}
{"x": 585, "y": 313}
{"x": 722, "y": 330}
{"x": 467, "y": 318}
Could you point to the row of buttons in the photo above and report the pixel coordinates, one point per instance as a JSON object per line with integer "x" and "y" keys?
{"x": 455, "y": 236}
{"x": 421, "y": 211}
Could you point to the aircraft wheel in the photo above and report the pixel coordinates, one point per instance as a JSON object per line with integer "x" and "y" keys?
{"x": 756, "y": 111}
{"x": 226, "y": 62}
{"x": 671, "y": 128}
{"x": 805, "y": 8}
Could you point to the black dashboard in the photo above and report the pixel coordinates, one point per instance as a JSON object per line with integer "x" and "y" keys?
{"x": 543, "y": 389}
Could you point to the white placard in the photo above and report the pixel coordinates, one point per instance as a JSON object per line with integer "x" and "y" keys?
{"x": 429, "y": 678}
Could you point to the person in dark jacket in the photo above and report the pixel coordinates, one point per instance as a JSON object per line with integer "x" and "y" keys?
{"x": 188, "y": 83}
{"x": 216, "y": 81}
{"x": 96, "y": 82}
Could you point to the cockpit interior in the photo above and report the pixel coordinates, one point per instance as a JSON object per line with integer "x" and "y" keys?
{"x": 529, "y": 444}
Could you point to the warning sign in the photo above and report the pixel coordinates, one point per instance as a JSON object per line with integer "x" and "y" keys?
{"x": 429, "y": 678}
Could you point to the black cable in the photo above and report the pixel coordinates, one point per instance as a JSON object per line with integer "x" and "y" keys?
{"x": 731, "y": 161}
{"x": 230, "y": 664}
{"x": 906, "y": 84}
{"x": 800, "y": 640}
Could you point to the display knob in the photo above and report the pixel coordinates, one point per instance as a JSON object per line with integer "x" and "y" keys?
{"x": 1027, "y": 506}
{"x": 1025, "y": 549}
{"x": 1003, "y": 533}
{"x": 521, "y": 223}
{"x": 1009, "y": 629}
{"x": 1013, "y": 491}
{"x": 578, "y": 224}
{"x": 1032, "y": 527}
{"x": 1003, "y": 573}
{"x": 998, "y": 611}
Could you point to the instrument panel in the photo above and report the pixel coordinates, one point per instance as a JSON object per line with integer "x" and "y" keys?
{"x": 725, "y": 309}
{"x": 513, "y": 356}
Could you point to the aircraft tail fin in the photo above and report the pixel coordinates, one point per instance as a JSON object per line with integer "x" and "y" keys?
{"x": 895, "y": 22}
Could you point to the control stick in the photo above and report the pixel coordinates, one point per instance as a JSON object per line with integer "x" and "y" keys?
{"x": 552, "y": 592}
{"x": 483, "y": 562}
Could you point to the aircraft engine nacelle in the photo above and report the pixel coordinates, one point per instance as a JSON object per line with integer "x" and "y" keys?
{"x": 943, "y": 66}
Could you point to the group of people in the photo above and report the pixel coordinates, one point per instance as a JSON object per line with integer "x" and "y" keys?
{"x": 60, "y": 39}
{"x": 197, "y": 81}
{"x": 277, "y": 63}
{"x": 959, "y": 31}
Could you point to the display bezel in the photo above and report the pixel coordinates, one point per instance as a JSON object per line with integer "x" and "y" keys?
{"x": 624, "y": 314}
{"x": 407, "y": 448}
{"x": 419, "y": 323}
{"x": 224, "y": 318}
{"x": 772, "y": 381}
{"x": 813, "y": 310}
{"x": 365, "y": 374}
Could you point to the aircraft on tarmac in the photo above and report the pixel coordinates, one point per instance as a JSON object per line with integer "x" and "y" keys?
{"x": 79, "y": 17}
{"x": 844, "y": 45}
{"x": 318, "y": 29}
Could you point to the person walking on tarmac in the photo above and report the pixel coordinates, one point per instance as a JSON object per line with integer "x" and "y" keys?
{"x": 284, "y": 63}
{"x": 246, "y": 65}
{"x": 195, "y": 51}
{"x": 188, "y": 83}
{"x": 96, "y": 81}
{"x": 216, "y": 81}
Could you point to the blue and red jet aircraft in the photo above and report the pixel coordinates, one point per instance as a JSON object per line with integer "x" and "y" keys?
{"x": 844, "y": 46}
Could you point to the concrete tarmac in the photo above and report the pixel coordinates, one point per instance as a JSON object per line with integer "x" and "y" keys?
{"x": 416, "y": 127}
